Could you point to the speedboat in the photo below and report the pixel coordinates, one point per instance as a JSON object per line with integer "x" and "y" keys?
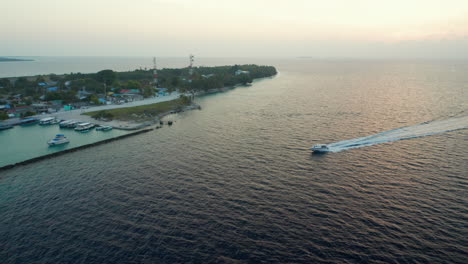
{"x": 84, "y": 127}
{"x": 46, "y": 121}
{"x": 320, "y": 148}
{"x": 104, "y": 128}
{"x": 58, "y": 140}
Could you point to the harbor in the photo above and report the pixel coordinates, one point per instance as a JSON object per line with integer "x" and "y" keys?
{"x": 28, "y": 141}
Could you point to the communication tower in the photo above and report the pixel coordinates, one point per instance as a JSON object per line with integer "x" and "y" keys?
{"x": 191, "y": 58}
{"x": 155, "y": 73}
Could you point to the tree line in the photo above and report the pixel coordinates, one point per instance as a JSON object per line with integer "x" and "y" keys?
{"x": 203, "y": 78}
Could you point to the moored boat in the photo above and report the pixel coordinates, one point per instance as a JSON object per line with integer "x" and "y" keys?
{"x": 58, "y": 140}
{"x": 55, "y": 121}
{"x": 28, "y": 121}
{"x": 4, "y": 127}
{"x": 84, "y": 127}
{"x": 103, "y": 128}
{"x": 72, "y": 124}
{"x": 46, "y": 121}
{"x": 65, "y": 123}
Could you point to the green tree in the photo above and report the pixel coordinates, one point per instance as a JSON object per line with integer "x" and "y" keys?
{"x": 40, "y": 79}
{"x": 3, "y": 115}
{"x": 29, "y": 113}
{"x": 54, "y": 77}
{"x": 106, "y": 76}
{"x": 22, "y": 82}
{"x": 93, "y": 98}
{"x": 133, "y": 85}
{"x": 148, "y": 92}
{"x": 244, "y": 79}
{"x": 175, "y": 81}
{"x": 185, "y": 99}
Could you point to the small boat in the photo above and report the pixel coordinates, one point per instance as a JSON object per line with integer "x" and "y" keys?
{"x": 55, "y": 121}
{"x": 72, "y": 124}
{"x": 58, "y": 140}
{"x": 65, "y": 123}
{"x": 46, "y": 121}
{"x": 103, "y": 128}
{"x": 84, "y": 127}
{"x": 320, "y": 148}
{"x": 4, "y": 127}
{"x": 28, "y": 121}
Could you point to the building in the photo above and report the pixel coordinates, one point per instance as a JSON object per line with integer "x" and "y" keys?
{"x": 206, "y": 76}
{"x": 52, "y": 89}
{"x": 5, "y": 107}
{"x": 163, "y": 92}
{"x": 40, "y": 108}
{"x": 19, "y": 111}
{"x": 239, "y": 72}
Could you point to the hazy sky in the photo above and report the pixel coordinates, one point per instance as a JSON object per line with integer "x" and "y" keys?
{"x": 219, "y": 28}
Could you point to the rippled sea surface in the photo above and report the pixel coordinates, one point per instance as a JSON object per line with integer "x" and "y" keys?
{"x": 236, "y": 183}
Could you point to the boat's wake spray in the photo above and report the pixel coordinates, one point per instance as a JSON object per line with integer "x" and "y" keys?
{"x": 420, "y": 130}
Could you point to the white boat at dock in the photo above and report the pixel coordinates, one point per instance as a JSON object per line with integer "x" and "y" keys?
{"x": 103, "y": 128}
{"x": 58, "y": 140}
{"x": 72, "y": 124}
{"x": 65, "y": 123}
{"x": 55, "y": 121}
{"x": 84, "y": 126}
{"x": 47, "y": 121}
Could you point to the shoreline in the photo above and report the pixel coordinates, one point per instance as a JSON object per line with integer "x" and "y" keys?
{"x": 139, "y": 127}
{"x": 78, "y": 115}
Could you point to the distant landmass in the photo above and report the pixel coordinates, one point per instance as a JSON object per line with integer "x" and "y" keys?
{"x": 13, "y": 59}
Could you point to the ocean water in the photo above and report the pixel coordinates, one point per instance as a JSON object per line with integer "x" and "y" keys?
{"x": 236, "y": 183}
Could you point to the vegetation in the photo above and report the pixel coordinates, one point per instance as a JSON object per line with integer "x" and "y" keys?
{"x": 143, "y": 112}
{"x": 29, "y": 113}
{"x": 12, "y": 59}
{"x": 92, "y": 88}
{"x": 66, "y": 96}
{"x": 3, "y": 115}
{"x": 102, "y": 115}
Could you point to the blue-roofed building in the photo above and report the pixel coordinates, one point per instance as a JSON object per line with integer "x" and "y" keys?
{"x": 52, "y": 89}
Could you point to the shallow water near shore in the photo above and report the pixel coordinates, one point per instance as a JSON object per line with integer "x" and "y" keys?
{"x": 26, "y": 142}
{"x": 236, "y": 182}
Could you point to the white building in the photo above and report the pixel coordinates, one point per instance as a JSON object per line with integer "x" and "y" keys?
{"x": 239, "y": 72}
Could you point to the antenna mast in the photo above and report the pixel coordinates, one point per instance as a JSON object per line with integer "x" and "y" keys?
{"x": 155, "y": 72}
{"x": 191, "y": 58}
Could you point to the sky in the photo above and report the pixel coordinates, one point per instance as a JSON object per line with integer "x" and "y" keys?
{"x": 235, "y": 28}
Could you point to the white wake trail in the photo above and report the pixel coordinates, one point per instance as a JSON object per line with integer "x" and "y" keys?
{"x": 420, "y": 130}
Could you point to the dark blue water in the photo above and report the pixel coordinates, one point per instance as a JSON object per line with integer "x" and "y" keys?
{"x": 236, "y": 183}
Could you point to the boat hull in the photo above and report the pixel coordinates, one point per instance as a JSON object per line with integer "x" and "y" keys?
{"x": 57, "y": 143}
{"x": 320, "y": 148}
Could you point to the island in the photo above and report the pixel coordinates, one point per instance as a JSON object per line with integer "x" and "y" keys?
{"x": 5, "y": 59}
{"x": 130, "y": 99}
